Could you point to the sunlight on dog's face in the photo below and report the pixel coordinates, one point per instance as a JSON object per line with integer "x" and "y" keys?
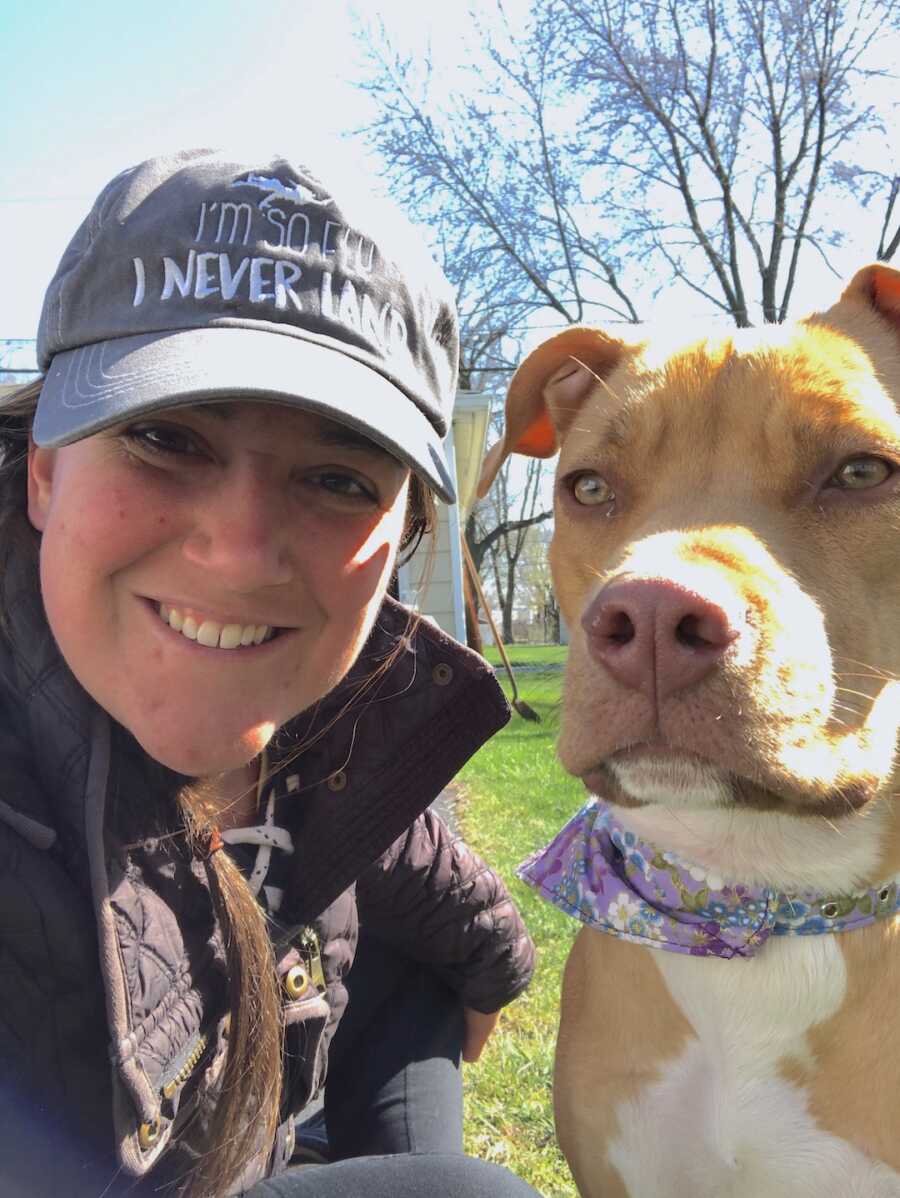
{"x": 762, "y": 475}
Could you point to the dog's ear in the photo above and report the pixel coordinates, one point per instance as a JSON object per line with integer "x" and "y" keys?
{"x": 879, "y": 286}
{"x": 546, "y": 392}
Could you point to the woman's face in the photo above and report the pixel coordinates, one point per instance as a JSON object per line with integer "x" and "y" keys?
{"x": 233, "y": 522}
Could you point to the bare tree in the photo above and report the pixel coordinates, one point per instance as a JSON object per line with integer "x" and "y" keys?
{"x": 740, "y": 110}
{"x": 692, "y": 138}
{"x": 888, "y": 242}
{"x": 497, "y": 532}
{"x": 537, "y": 584}
{"x": 491, "y": 162}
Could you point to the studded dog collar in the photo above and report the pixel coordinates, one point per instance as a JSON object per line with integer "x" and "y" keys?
{"x": 611, "y": 880}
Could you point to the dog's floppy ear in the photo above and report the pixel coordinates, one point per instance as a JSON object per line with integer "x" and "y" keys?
{"x": 879, "y": 286}
{"x": 546, "y": 392}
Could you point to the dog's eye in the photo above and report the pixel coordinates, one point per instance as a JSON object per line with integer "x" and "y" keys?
{"x": 591, "y": 489}
{"x": 861, "y": 473}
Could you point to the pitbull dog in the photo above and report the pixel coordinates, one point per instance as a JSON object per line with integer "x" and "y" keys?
{"x": 727, "y": 557}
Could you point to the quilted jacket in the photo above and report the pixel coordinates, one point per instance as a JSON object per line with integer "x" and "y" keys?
{"x": 112, "y": 994}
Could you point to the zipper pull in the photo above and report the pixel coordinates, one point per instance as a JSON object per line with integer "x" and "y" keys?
{"x": 308, "y": 948}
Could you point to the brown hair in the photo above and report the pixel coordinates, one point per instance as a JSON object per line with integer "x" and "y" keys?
{"x": 246, "y": 1114}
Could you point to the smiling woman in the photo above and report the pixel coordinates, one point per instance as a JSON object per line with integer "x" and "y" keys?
{"x": 219, "y": 737}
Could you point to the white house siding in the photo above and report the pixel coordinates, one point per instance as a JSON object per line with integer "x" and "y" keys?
{"x": 433, "y": 580}
{"x": 427, "y": 582}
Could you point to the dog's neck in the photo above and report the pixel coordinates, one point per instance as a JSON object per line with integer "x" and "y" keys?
{"x": 771, "y": 849}
{"x": 606, "y": 873}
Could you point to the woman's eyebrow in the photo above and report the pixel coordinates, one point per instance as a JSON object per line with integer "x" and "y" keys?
{"x": 223, "y": 409}
{"x": 327, "y": 432}
{"x": 341, "y": 436}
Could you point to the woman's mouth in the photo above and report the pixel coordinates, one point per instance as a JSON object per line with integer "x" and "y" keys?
{"x": 211, "y": 633}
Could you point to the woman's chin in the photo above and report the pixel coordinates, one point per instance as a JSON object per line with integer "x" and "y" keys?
{"x": 196, "y": 759}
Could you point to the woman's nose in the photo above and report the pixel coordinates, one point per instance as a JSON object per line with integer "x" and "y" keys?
{"x": 241, "y": 532}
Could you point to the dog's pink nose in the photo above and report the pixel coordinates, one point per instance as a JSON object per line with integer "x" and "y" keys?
{"x": 655, "y": 636}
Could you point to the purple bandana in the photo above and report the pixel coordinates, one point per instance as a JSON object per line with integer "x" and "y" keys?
{"x": 608, "y": 878}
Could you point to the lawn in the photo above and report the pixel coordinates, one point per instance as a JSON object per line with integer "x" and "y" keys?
{"x": 530, "y": 655}
{"x": 515, "y": 798}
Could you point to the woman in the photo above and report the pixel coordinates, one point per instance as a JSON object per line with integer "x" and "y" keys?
{"x": 247, "y": 384}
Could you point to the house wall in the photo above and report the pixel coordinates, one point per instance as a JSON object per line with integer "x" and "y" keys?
{"x": 433, "y": 581}
{"x": 427, "y": 582}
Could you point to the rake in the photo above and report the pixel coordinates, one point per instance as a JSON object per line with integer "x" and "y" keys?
{"x": 518, "y": 705}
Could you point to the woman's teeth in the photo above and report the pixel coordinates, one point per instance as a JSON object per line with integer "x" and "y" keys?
{"x": 213, "y": 634}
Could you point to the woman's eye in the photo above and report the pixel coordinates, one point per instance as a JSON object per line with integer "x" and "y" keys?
{"x": 345, "y": 485}
{"x": 590, "y": 489}
{"x": 862, "y": 473}
{"x": 161, "y": 439}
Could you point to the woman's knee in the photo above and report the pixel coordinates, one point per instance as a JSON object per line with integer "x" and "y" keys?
{"x": 432, "y": 1174}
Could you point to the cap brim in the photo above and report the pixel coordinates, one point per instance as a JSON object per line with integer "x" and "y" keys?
{"x": 96, "y": 386}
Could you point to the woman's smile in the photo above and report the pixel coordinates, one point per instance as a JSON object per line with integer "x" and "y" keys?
{"x": 200, "y": 629}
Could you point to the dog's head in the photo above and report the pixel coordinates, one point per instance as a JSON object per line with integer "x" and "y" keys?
{"x": 727, "y": 555}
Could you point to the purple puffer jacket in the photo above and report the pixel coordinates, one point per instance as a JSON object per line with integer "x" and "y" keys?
{"x": 112, "y": 984}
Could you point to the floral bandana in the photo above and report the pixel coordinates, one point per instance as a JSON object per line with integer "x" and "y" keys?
{"x": 608, "y": 878}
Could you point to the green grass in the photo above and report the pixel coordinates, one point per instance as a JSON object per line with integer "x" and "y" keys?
{"x": 515, "y": 798}
{"x": 529, "y": 655}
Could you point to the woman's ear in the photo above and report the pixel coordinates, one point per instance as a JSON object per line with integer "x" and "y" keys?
{"x": 41, "y": 463}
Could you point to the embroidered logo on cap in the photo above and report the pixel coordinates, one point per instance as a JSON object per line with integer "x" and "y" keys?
{"x": 314, "y": 265}
{"x": 295, "y": 192}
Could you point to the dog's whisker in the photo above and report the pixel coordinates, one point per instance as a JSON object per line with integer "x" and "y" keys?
{"x": 871, "y": 670}
{"x": 603, "y": 383}
{"x": 851, "y": 690}
{"x": 867, "y": 671}
{"x": 832, "y": 825}
{"x": 848, "y": 690}
{"x": 841, "y": 705}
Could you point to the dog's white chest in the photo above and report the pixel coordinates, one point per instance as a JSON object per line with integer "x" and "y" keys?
{"x": 724, "y": 1120}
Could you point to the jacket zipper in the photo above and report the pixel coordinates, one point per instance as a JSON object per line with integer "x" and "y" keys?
{"x": 171, "y": 1088}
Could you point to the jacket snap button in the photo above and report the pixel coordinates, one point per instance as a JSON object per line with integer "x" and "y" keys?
{"x": 296, "y": 982}
{"x": 148, "y": 1134}
{"x": 442, "y": 674}
{"x": 338, "y": 780}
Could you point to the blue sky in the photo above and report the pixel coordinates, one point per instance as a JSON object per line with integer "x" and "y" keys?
{"x": 89, "y": 88}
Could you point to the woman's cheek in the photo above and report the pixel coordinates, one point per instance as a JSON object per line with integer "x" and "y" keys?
{"x": 371, "y": 561}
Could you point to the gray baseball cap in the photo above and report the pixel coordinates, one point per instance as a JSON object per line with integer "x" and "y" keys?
{"x": 196, "y": 277}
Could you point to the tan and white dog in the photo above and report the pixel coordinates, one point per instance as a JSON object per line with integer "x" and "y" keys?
{"x": 727, "y": 557}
